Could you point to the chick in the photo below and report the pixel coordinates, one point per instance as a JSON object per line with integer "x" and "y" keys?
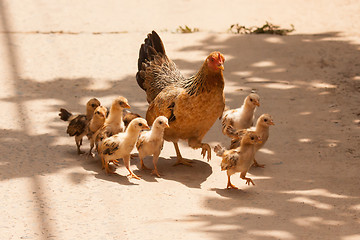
{"x": 120, "y": 145}
{"x": 114, "y": 122}
{"x": 78, "y": 123}
{"x": 95, "y": 124}
{"x": 239, "y": 159}
{"x": 240, "y": 118}
{"x": 128, "y": 116}
{"x": 262, "y": 130}
{"x": 151, "y": 142}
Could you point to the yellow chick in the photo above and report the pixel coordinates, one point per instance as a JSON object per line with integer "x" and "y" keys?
{"x": 114, "y": 122}
{"x": 120, "y": 145}
{"x": 151, "y": 142}
{"x": 240, "y": 118}
{"x": 239, "y": 159}
{"x": 78, "y": 123}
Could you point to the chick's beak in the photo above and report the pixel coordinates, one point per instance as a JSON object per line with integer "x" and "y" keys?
{"x": 167, "y": 125}
{"x": 271, "y": 123}
{"x": 146, "y": 127}
{"x": 126, "y": 105}
{"x": 257, "y": 103}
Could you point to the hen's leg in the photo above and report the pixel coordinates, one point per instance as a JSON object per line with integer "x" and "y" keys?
{"x": 256, "y": 164}
{"x": 195, "y": 143}
{"x": 180, "y": 159}
{"x": 127, "y": 165}
{"x": 248, "y": 180}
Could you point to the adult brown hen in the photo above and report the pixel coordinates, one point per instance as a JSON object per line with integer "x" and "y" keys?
{"x": 192, "y": 105}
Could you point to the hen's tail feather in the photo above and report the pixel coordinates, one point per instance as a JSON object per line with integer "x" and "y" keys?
{"x": 64, "y": 114}
{"x": 151, "y": 46}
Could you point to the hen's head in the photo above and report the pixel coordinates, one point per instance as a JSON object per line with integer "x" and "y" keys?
{"x": 215, "y": 62}
{"x": 92, "y": 104}
{"x": 265, "y": 120}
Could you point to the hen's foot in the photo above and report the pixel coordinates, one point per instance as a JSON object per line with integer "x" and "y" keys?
{"x": 183, "y": 161}
{"x": 248, "y": 181}
{"x": 80, "y": 152}
{"x": 206, "y": 149}
{"x": 256, "y": 164}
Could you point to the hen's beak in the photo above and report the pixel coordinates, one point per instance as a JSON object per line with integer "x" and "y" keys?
{"x": 221, "y": 66}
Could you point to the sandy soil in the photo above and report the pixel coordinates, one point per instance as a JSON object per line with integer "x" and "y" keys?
{"x": 309, "y": 81}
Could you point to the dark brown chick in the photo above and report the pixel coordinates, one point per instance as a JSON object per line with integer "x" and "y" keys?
{"x": 78, "y": 123}
{"x": 192, "y": 105}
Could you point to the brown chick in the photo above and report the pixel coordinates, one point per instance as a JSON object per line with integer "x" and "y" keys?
{"x": 240, "y": 118}
{"x": 151, "y": 142}
{"x": 95, "y": 124}
{"x": 114, "y": 122}
{"x": 78, "y": 123}
{"x": 128, "y": 116}
{"x": 120, "y": 145}
{"x": 262, "y": 130}
{"x": 192, "y": 105}
{"x": 239, "y": 159}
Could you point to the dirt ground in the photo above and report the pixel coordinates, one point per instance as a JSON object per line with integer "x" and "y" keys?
{"x": 61, "y": 53}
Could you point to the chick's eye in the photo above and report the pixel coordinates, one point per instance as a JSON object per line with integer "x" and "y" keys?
{"x": 265, "y": 120}
{"x": 160, "y": 122}
{"x": 251, "y": 100}
{"x": 93, "y": 105}
{"x": 140, "y": 124}
{"x": 252, "y": 138}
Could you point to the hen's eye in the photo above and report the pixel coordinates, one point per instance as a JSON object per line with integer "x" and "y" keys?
{"x": 265, "y": 120}
{"x": 140, "y": 124}
{"x": 252, "y": 138}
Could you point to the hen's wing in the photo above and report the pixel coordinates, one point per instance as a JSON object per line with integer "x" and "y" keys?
{"x": 77, "y": 126}
{"x": 164, "y": 105}
{"x": 155, "y": 70}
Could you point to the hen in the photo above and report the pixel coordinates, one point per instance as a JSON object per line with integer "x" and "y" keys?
{"x": 78, "y": 123}
{"x": 239, "y": 159}
{"x": 151, "y": 142}
{"x": 191, "y": 105}
{"x": 120, "y": 145}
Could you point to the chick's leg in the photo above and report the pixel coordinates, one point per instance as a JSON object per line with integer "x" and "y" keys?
{"x": 248, "y": 180}
{"x": 256, "y": 164}
{"x": 196, "y": 143}
{"x": 180, "y": 159}
{"x": 229, "y": 185}
{"x": 155, "y": 160}
{"x": 127, "y": 165}
{"x": 143, "y": 167}
{"x": 78, "y": 141}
